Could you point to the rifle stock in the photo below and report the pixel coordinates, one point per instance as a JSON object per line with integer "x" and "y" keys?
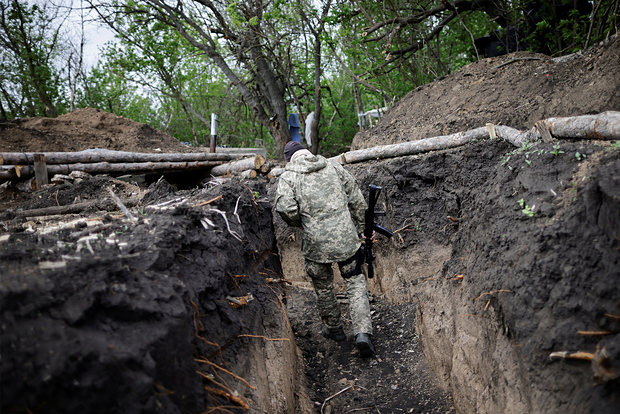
{"x": 371, "y": 226}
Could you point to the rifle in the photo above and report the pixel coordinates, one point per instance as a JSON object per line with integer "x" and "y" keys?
{"x": 370, "y": 226}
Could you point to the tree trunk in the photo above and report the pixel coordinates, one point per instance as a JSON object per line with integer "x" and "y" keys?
{"x": 314, "y": 126}
{"x": 281, "y": 136}
{"x": 273, "y": 98}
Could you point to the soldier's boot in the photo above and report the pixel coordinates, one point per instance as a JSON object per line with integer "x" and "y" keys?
{"x": 364, "y": 345}
{"x": 337, "y": 335}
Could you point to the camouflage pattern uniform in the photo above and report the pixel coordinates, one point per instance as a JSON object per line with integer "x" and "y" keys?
{"x": 325, "y": 200}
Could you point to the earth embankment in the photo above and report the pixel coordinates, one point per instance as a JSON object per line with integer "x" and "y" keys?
{"x": 516, "y": 90}
{"x": 172, "y": 313}
{"x": 511, "y": 256}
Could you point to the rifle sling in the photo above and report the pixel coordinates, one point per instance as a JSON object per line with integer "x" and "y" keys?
{"x": 358, "y": 257}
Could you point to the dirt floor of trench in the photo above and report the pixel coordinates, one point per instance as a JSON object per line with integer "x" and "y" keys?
{"x": 501, "y": 257}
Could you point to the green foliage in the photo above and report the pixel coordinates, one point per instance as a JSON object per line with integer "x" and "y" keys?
{"x": 580, "y": 156}
{"x": 153, "y": 74}
{"x": 30, "y": 71}
{"x": 527, "y": 148}
{"x": 396, "y": 74}
{"x": 525, "y": 209}
{"x": 567, "y": 26}
{"x": 556, "y": 150}
{"x": 235, "y": 14}
{"x": 339, "y": 122}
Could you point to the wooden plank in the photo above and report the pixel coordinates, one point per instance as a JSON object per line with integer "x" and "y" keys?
{"x": 40, "y": 171}
{"x": 242, "y": 152}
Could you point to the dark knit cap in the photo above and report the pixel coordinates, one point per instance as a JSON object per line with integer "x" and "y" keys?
{"x": 291, "y": 148}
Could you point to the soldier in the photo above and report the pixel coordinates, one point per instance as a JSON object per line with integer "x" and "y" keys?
{"x": 324, "y": 200}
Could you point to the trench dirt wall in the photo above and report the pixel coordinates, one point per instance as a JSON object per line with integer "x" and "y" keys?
{"x": 520, "y": 281}
{"x": 135, "y": 318}
{"x": 496, "y": 286}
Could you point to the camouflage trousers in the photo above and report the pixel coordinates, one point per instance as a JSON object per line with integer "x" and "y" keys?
{"x": 323, "y": 280}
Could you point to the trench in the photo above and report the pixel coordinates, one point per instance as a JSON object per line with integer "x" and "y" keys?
{"x": 490, "y": 291}
{"x": 471, "y": 296}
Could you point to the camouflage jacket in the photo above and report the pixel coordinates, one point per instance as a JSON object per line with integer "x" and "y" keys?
{"x": 325, "y": 200}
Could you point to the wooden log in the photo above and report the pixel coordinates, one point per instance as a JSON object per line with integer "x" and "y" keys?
{"x": 103, "y": 155}
{"x": 40, "y": 170}
{"x": 9, "y": 171}
{"x": 252, "y": 163}
{"x": 603, "y": 126}
{"x": 265, "y": 168}
{"x": 242, "y": 152}
{"x": 276, "y": 172}
{"x": 412, "y": 147}
{"x": 72, "y": 208}
{"x": 516, "y": 137}
{"x": 248, "y": 174}
{"x": 512, "y": 135}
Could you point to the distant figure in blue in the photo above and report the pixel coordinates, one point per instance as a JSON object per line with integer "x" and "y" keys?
{"x": 293, "y": 127}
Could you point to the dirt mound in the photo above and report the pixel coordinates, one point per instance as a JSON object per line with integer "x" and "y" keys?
{"x": 516, "y": 90}
{"x": 84, "y": 129}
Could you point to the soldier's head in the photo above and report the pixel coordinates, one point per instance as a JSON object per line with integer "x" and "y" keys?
{"x": 291, "y": 148}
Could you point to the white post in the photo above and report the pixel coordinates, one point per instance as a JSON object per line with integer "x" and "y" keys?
{"x": 213, "y": 132}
